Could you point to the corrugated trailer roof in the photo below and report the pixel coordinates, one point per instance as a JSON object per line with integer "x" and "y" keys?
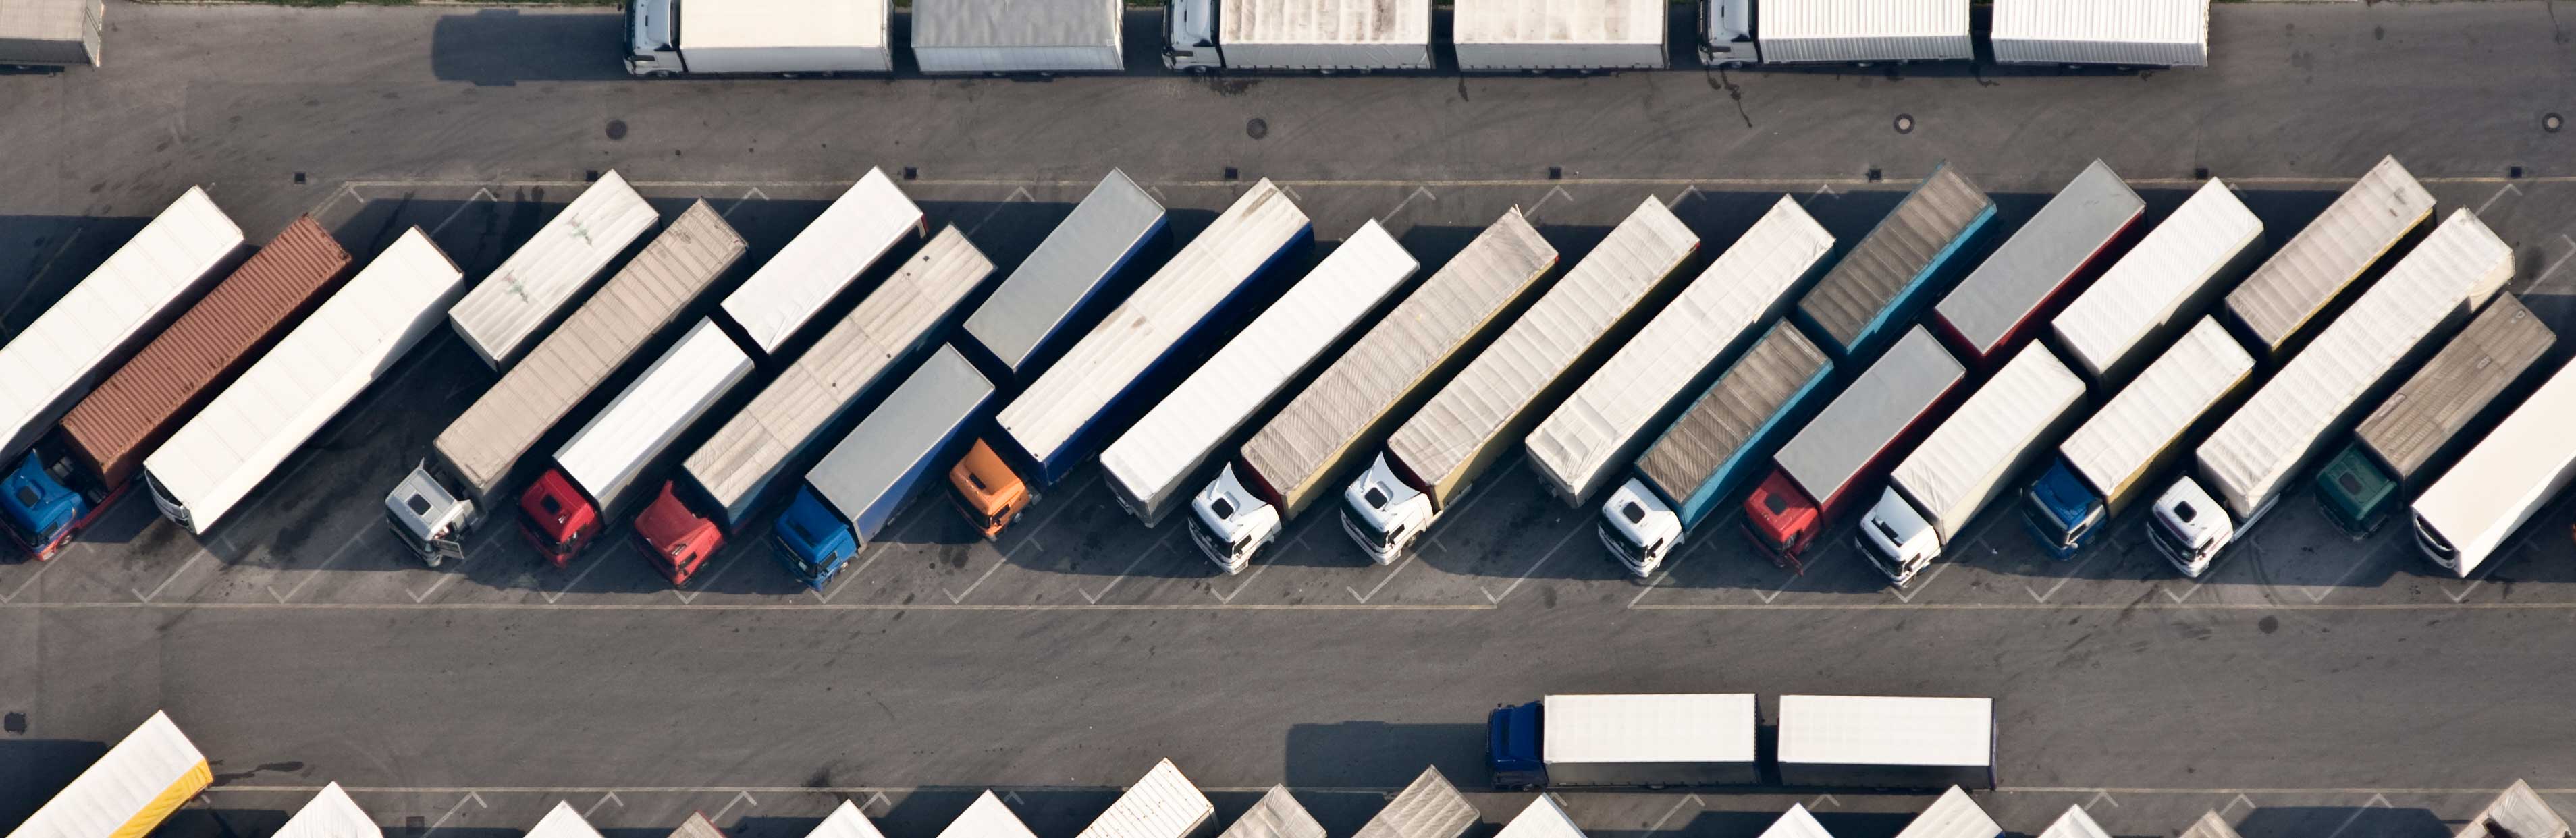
{"x": 1276, "y": 815}
{"x": 1337, "y": 23}
{"x": 1344, "y": 408}
{"x": 2455, "y": 269}
{"x": 1070, "y": 265}
{"x": 2517, "y": 813}
{"x": 57, "y": 357}
{"x": 873, "y": 461}
{"x": 851, "y": 234}
{"x": 737, "y": 465}
{"x": 1583, "y": 443}
{"x": 507, "y": 308}
{"x": 1542, "y": 818}
{"x": 2307, "y": 273}
{"x": 2074, "y": 824}
{"x": 697, "y": 826}
{"x": 1200, "y": 279}
{"x": 2210, "y": 825}
{"x": 1557, "y": 23}
{"x": 2518, "y": 466}
{"x": 2453, "y": 388}
{"x": 986, "y": 818}
{"x": 2113, "y": 449}
{"x": 1965, "y": 461}
{"x": 562, "y": 822}
{"x": 1886, "y": 730}
{"x": 1015, "y": 23}
{"x": 2156, "y": 33}
{"x": 642, "y": 299}
{"x": 1874, "y": 410}
{"x": 128, "y": 791}
{"x": 138, "y": 406}
{"x": 1429, "y": 807}
{"x": 1711, "y": 436}
{"x": 845, "y": 821}
{"x": 330, "y": 814}
{"x": 1462, "y": 426}
{"x": 1855, "y": 299}
{"x": 2039, "y": 259}
{"x": 766, "y": 24}
{"x": 1802, "y": 31}
{"x": 2158, "y": 280}
{"x": 224, "y": 452}
{"x": 1796, "y": 823}
{"x": 1651, "y": 727}
{"x": 1161, "y": 805}
{"x": 1954, "y": 815}
{"x": 604, "y": 457}
{"x": 1149, "y": 465}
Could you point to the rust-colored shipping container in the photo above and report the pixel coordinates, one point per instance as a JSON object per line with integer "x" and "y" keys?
{"x": 109, "y": 433}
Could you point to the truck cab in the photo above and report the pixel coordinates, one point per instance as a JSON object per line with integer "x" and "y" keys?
{"x": 987, "y": 491}
{"x": 1189, "y": 36}
{"x": 2355, "y": 492}
{"x": 1384, "y": 512}
{"x": 1896, "y": 538}
{"x": 1230, "y": 523}
{"x": 2061, "y": 511}
{"x": 1513, "y": 747}
{"x": 1726, "y": 33}
{"x": 1780, "y": 520}
{"x": 675, "y": 539}
{"x": 2440, "y": 550}
{"x": 43, "y": 511}
{"x": 430, "y": 519}
{"x": 556, "y": 518}
{"x": 813, "y": 541}
{"x": 652, "y": 47}
{"x": 2190, "y": 527}
{"x": 1639, "y": 528}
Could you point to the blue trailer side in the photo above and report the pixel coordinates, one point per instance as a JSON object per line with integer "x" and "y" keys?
{"x": 1878, "y": 287}
{"x": 856, "y": 489}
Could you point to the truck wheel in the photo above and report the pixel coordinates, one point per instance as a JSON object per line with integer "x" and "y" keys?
{"x": 1201, "y": 70}
{"x": 1731, "y": 65}
{"x": 662, "y": 74}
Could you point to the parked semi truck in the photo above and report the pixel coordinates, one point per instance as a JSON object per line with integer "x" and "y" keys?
{"x": 1428, "y": 807}
{"x": 2260, "y": 450}
{"x": 90, "y": 460}
{"x": 1584, "y": 442}
{"x": 2274, "y": 305}
{"x": 667, "y": 38}
{"x": 849, "y": 496}
{"x": 519, "y": 299}
{"x": 351, "y": 340}
{"x": 723, "y": 483}
{"x": 1849, "y": 446}
{"x": 1874, "y": 292}
{"x": 1017, "y": 36}
{"x": 43, "y": 34}
{"x": 597, "y": 473}
{"x": 1162, "y": 804}
{"x": 130, "y": 790}
{"x": 1584, "y": 35}
{"x": 1292, "y": 461}
{"x": 1999, "y": 301}
{"x": 2158, "y": 288}
{"x": 1435, "y": 456}
{"x": 1623, "y": 741}
{"x": 1056, "y": 422}
{"x": 1722, "y": 440}
{"x": 1735, "y": 33}
{"x": 450, "y": 492}
{"x": 2125, "y": 33}
{"x": 2404, "y": 444}
{"x": 2465, "y": 517}
{"x": 1965, "y": 463}
{"x": 1327, "y": 36}
{"x": 1149, "y": 466}
{"x": 1889, "y": 742}
{"x": 2103, "y": 466}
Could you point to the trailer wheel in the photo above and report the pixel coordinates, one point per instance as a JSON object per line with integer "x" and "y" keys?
{"x": 661, "y": 74}
{"x": 1201, "y": 70}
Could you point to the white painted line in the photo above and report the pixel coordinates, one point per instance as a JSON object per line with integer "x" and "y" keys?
{"x": 2231, "y": 805}
{"x": 738, "y": 798}
{"x": 603, "y": 798}
{"x": 483, "y": 193}
{"x": 2089, "y": 556}
{"x": 2100, "y": 795}
{"x": 1553, "y": 193}
{"x": 2318, "y": 593}
{"x": 418, "y": 597}
{"x": 2542, "y": 281}
{"x": 874, "y": 793}
{"x": 475, "y": 798}
{"x": 1686, "y": 194}
{"x": 1687, "y": 799}
{"x": 957, "y": 597}
{"x": 1823, "y": 799}
{"x": 191, "y": 561}
{"x": 2499, "y": 193}
{"x": 2462, "y": 595}
{"x": 747, "y": 195}
{"x": 1131, "y": 568}
{"x": 586, "y": 567}
{"x": 1907, "y": 596}
{"x": 1794, "y": 576}
{"x": 1400, "y": 563}
{"x": 1257, "y": 567}
{"x": 326, "y": 564}
{"x": 882, "y": 606}
{"x": 31, "y": 580}
{"x": 2379, "y": 800}
{"x": 1491, "y": 597}
{"x": 1017, "y": 195}
{"x": 1418, "y": 192}
{"x": 1474, "y": 494}
{"x": 709, "y": 582}
{"x": 1063, "y": 502}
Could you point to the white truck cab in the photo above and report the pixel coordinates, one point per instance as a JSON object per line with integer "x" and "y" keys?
{"x": 1726, "y": 34}
{"x": 1638, "y": 528}
{"x": 429, "y": 518}
{"x": 1897, "y": 539}
{"x": 1382, "y": 513}
{"x": 1230, "y": 523}
{"x": 2189, "y": 527}
{"x": 652, "y": 50}
{"x": 1189, "y": 36}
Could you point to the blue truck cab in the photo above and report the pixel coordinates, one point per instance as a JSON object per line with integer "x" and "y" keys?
{"x": 40, "y": 509}
{"x": 813, "y": 541}
{"x": 1512, "y": 746}
{"x": 2062, "y": 511}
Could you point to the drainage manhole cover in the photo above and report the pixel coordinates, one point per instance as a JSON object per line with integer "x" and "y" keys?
{"x": 1257, "y": 128}
{"x": 1905, "y": 123}
{"x": 2551, "y": 123}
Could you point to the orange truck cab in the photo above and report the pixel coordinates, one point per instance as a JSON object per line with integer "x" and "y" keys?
{"x": 557, "y": 518}
{"x": 987, "y": 491}
{"x": 676, "y": 540}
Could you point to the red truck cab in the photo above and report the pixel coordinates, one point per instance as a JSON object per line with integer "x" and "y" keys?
{"x": 556, "y": 518}
{"x": 676, "y": 540}
{"x": 1781, "y": 520}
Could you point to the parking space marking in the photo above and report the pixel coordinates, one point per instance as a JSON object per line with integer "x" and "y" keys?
{"x": 32, "y": 577}
{"x": 2542, "y": 281}
{"x": 484, "y": 194}
{"x": 709, "y": 582}
{"x": 603, "y": 799}
{"x": 1687, "y": 800}
{"x": 2036, "y": 596}
{"x": 418, "y": 597}
{"x": 2462, "y": 594}
{"x": 470, "y": 797}
{"x": 586, "y": 568}
{"x": 956, "y": 598}
{"x": 747, "y": 195}
{"x": 2318, "y": 593}
{"x": 1473, "y": 495}
{"x": 202, "y": 552}
{"x": 1381, "y": 582}
{"x": 1141, "y": 556}
{"x": 2378, "y": 800}
{"x": 1018, "y": 195}
{"x": 1418, "y": 192}
{"x": 2499, "y": 193}
{"x": 1794, "y": 576}
{"x": 1491, "y": 597}
{"x": 1063, "y": 502}
{"x": 849, "y": 606}
{"x": 317, "y": 570}
{"x": 1906, "y": 596}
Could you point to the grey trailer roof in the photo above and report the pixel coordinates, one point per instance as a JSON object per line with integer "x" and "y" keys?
{"x": 1954, "y": 815}
{"x": 1868, "y": 280}
{"x": 2315, "y": 266}
{"x": 2113, "y": 449}
{"x": 1014, "y": 23}
{"x": 2453, "y": 388}
{"x": 504, "y": 311}
{"x": 2074, "y": 824}
{"x": 1066, "y": 268}
{"x": 1325, "y": 22}
{"x": 1276, "y": 815}
{"x": 1560, "y": 21}
{"x": 697, "y": 826}
{"x": 912, "y": 420}
{"x": 845, "y": 821}
{"x": 1428, "y": 808}
{"x": 987, "y": 817}
{"x": 2517, "y": 813}
{"x": 2041, "y": 257}
{"x": 1963, "y": 462}
{"x": 1542, "y": 818}
{"x": 1506, "y": 382}
{"x": 1746, "y": 397}
{"x": 2171, "y": 266}
{"x": 1301, "y": 445}
{"x": 53, "y": 31}
{"x": 1796, "y": 823}
{"x": 1873, "y": 410}
{"x": 612, "y": 449}
{"x": 642, "y": 299}
{"x": 737, "y": 465}
{"x": 2210, "y": 825}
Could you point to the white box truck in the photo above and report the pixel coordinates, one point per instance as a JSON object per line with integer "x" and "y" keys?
{"x": 2465, "y": 517}
{"x": 1966, "y": 462}
{"x": 2105, "y": 463}
{"x": 1535, "y": 35}
{"x": 667, "y": 38}
{"x": 521, "y": 297}
{"x": 1735, "y": 33}
{"x": 1017, "y": 36}
{"x": 1623, "y": 741}
{"x": 2159, "y": 287}
{"x": 2121, "y": 33}
{"x": 868, "y": 220}
{"x": 1887, "y": 742}
{"x": 1323, "y": 36}
{"x": 1542, "y": 818}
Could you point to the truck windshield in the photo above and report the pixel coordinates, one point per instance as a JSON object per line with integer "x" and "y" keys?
{"x": 1368, "y": 529}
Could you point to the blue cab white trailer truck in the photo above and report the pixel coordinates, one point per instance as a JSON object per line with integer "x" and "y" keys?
{"x": 850, "y": 495}
{"x": 1623, "y": 741}
{"x": 2103, "y": 466}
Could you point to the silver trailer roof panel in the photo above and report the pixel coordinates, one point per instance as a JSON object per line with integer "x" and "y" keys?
{"x": 1706, "y": 727}
{"x": 1876, "y": 408}
{"x": 2151, "y": 33}
{"x": 2433, "y": 405}
{"x": 1749, "y": 395}
{"x": 1065, "y": 269}
{"x": 1803, "y": 31}
{"x": 2511, "y": 473}
{"x": 2307, "y": 273}
{"x": 1429, "y": 807}
{"x": 1572, "y": 34}
{"x": 987, "y": 818}
{"x": 1954, "y": 815}
{"x": 2113, "y": 449}
{"x": 330, "y": 814}
{"x": 902, "y": 431}
{"x": 1276, "y": 815}
{"x": 2016, "y": 282}
{"x": 1326, "y": 34}
{"x": 505, "y": 310}
{"x": 1542, "y": 818}
{"x": 1886, "y": 263}
{"x": 604, "y": 457}
{"x": 974, "y": 36}
{"x": 1961, "y": 466}
{"x": 1161, "y": 805}
{"x": 851, "y": 234}
{"x": 2158, "y": 280}
{"x": 1886, "y": 730}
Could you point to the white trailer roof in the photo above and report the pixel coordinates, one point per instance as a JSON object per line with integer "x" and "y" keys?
{"x": 2211, "y": 825}
{"x": 1960, "y": 465}
{"x": 2074, "y": 824}
{"x": 1066, "y": 269}
{"x": 1955, "y": 815}
{"x": 851, "y": 234}
{"x": 1508, "y": 378}
{"x": 2114, "y": 448}
{"x": 1796, "y": 823}
{"x": 2149, "y": 286}
{"x": 2169, "y": 33}
{"x": 1163, "y": 804}
{"x": 1148, "y": 466}
{"x": 1559, "y": 21}
{"x": 2517, "y": 813}
{"x": 1864, "y": 30}
{"x": 987, "y": 818}
{"x": 127, "y": 792}
{"x": 1429, "y": 807}
{"x": 1581, "y": 445}
{"x": 1198, "y": 279}
{"x": 45, "y": 369}
{"x": 2306, "y": 274}
{"x": 2040, "y": 258}
{"x": 1330, "y": 22}
{"x": 1886, "y": 730}
{"x": 254, "y": 424}
{"x": 330, "y": 814}
{"x": 505, "y": 310}
{"x": 562, "y": 822}
{"x": 1015, "y": 23}
{"x": 1541, "y": 819}
{"x": 845, "y": 821}
{"x": 2455, "y": 269}
{"x": 1878, "y": 405}
{"x": 610, "y": 449}
{"x": 1706, "y": 727}
{"x": 1276, "y": 815}
{"x": 783, "y": 23}
{"x": 2513, "y": 471}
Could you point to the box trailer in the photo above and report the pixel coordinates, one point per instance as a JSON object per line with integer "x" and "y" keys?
{"x": 2297, "y": 282}
{"x": 1312, "y": 35}
{"x": 1542, "y": 818}
{"x": 2123, "y": 33}
{"x": 1796, "y": 823}
{"x": 129, "y": 791}
{"x": 450, "y": 491}
{"x": 1849, "y": 446}
{"x": 1874, "y": 292}
{"x": 1723, "y": 439}
{"x": 596, "y": 474}
{"x": 1067, "y": 269}
{"x": 1735, "y": 33}
{"x": 91, "y": 459}
{"x": 2007, "y": 424}
{"x": 724, "y": 481}
{"x": 1017, "y": 36}
{"x": 667, "y": 38}
{"x": 1292, "y": 461}
{"x": 856, "y": 489}
{"x": 1582, "y": 444}
{"x": 2159, "y": 287}
{"x": 1163, "y": 804}
{"x": 2259, "y": 451}
{"x": 2211, "y": 825}
{"x": 1891, "y": 742}
{"x": 1515, "y": 35}
{"x": 1435, "y": 457}
{"x": 1953, "y": 815}
{"x": 2074, "y": 824}
{"x": 1276, "y": 815}
{"x": 330, "y": 814}
{"x": 2404, "y": 443}
{"x": 562, "y": 822}
{"x": 845, "y": 821}
{"x": 2519, "y": 812}
{"x": 1623, "y": 741}
{"x": 51, "y": 33}
{"x": 697, "y": 826}
{"x": 868, "y": 220}
{"x": 1055, "y": 423}
{"x": 2465, "y": 517}
{"x": 987, "y": 818}
{"x": 1428, "y": 807}
{"x": 1150, "y": 465}
{"x": 2102, "y": 466}
{"x": 352, "y": 339}
{"x": 520, "y": 298}
{"x": 1995, "y": 305}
